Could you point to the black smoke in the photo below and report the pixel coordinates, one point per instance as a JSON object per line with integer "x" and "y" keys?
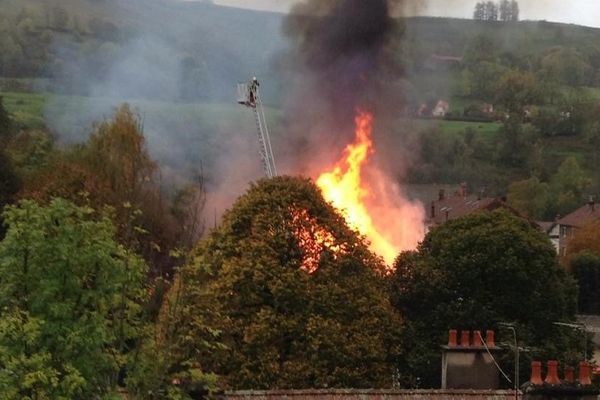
{"x": 345, "y": 56}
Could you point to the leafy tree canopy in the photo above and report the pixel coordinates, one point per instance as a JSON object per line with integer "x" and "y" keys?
{"x": 301, "y": 301}
{"x": 69, "y": 299}
{"x": 586, "y": 269}
{"x": 472, "y": 273}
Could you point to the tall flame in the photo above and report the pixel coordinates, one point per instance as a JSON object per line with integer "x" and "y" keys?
{"x": 400, "y": 223}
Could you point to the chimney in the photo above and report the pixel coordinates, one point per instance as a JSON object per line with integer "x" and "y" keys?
{"x": 465, "y": 338}
{"x": 452, "y": 335}
{"x": 552, "y": 373}
{"x": 536, "y": 373}
{"x": 489, "y": 339}
{"x": 442, "y": 195}
{"x": 584, "y": 374}
{"x": 432, "y": 209}
{"x": 569, "y": 374}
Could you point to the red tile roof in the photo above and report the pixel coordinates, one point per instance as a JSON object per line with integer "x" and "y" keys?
{"x": 458, "y": 206}
{"x": 582, "y": 216}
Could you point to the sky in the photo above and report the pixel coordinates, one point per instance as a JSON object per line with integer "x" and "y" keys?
{"x": 581, "y": 12}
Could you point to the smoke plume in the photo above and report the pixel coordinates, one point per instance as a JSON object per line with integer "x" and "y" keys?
{"x": 345, "y": 58}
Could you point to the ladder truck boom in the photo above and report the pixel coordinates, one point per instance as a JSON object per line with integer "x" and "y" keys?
{"x": 249, "y": 96}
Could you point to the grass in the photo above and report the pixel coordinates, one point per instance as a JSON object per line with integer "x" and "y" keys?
{"x": 27, "y": 109}
{"x": 487, "y": 131}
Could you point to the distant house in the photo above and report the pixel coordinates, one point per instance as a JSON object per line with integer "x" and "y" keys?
{"x": 552, "y": 230}
{"x": 460, "y": 204}
{"x": 440, "y": 62}
{"x": 487, "y": 108}
{"x": 441, "y": 109}
{"x": 577, "y": 219}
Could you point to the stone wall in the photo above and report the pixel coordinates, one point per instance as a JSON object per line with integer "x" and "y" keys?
{"x": 338, "y": 394}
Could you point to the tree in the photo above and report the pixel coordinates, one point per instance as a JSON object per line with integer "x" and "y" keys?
{"x": 568, "y": 185}
{"x": 472, "y": 273}
{"x": 479, "y": 12}
{"x": 114, "y": 168}
{"x": 69, "y": 302}
{"x": 586, "y": 269}
{"x": 491, "y": 11}
{"x": 6, "y": 124}
{"x": 529, "y": 197}
{"x": 505, "y": 11}
{"x": 10, "y": 184}
{"x": 514, "y": 11}
{"x": 293, "y": 294}
{"x": 515, "y": 90}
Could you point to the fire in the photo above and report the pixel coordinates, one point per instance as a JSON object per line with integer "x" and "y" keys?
{"x": 374, "y": 206}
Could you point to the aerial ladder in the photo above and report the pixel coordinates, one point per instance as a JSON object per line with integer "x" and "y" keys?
{"x": 249, "y": 96}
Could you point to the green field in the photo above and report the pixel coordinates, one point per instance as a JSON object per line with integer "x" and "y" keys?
{"x": 487, "y": 131}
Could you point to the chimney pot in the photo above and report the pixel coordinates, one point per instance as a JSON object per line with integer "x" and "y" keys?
{"x": 552, "y": 373}
{"x": 477, "y": 339}
{"x": 569, "y": 374}
{"x": 584, "y": 373}
{"x": 465, "y": 338}
{"x": 452, "y": 336}
{"x": 489, "y": 338}
{"x": 536, "y": 373}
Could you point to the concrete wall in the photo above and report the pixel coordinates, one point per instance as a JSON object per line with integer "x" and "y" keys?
{"x": 340, "y": 394}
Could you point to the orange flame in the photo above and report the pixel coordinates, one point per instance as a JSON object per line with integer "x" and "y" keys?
{"x": 399, "y": 223}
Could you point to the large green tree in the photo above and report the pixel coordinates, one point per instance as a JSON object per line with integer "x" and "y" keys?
{"x": 69, "y": 302}
{"x": 586, "y": 269}
{"x": 472, "y": 273}
{"x": 295, "y": 297}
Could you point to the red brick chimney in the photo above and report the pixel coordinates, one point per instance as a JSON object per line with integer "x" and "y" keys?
{"x": 536, "y": 373}
{"x": 452, "y": 336}
{"x": 465, "y": 338}
{"x": 584, "y": 373}
{"x": 552, "y": 373}
{"x": 489, "y": 339}
{"x": 569, "y": 374}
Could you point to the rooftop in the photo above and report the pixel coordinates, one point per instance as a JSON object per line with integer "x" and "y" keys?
{"x": 578, "y": 218}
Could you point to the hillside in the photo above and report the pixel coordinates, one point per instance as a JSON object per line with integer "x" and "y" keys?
{"x": 178, "y": 63}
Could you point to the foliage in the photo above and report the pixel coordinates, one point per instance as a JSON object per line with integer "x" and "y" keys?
{"x": 69, "y": 301}
{"x": 6, "y": 124}
{"x": 530, "y": 197}
{"x": 10, "y": 184}
{"x": 568, "y": 185}
{"x": 515, "y": 90}
{"x": 586, "y": 239}
{"x": 472, "y": 273}
{"x": 586, "y": 269}
{"x": 293, "y": 294}
{"x": 114, "y": 168}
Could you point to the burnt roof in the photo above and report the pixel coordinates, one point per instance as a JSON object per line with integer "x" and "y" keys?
{"x": 582, "y": 216}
